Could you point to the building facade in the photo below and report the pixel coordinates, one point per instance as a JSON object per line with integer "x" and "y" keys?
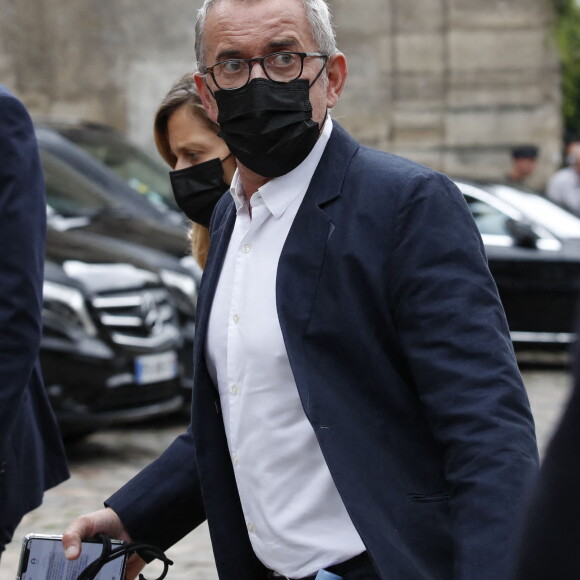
{"x": 453, "y": 84}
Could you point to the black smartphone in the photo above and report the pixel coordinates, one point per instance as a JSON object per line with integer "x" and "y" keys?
{"x": 42, "y": 558}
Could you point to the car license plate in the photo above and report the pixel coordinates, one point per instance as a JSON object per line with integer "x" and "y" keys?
{"x": 154, "y": 368}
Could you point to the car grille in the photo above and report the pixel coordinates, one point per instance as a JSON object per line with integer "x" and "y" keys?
{"x": 143, "y": 319}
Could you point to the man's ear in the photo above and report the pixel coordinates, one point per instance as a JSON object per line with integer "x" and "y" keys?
{"x": 207, "y": 99}
{"x": 337, "y": 73}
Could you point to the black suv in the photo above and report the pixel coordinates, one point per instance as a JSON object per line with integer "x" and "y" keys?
{"x": 111, "y": 335}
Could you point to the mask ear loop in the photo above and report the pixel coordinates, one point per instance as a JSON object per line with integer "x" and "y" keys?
{"x": 319, "y": 73}
{"x": 109, "y": 554}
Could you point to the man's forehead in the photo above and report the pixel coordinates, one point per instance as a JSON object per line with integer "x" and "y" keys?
{"x": 274, "y": 23}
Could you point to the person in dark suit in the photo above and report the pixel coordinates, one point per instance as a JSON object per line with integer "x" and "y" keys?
{"x": 548, "y": 547}
{"x": 32, "y": 457}
{"x": 357, "y": 407}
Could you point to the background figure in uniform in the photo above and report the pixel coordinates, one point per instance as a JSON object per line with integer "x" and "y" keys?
{"x": 564, "y": 185}
{"x": 185, "y": 138}
{"x": 524, "y": 161}
{"x": 32, "y": 458}
{"x": 356, "y": 405}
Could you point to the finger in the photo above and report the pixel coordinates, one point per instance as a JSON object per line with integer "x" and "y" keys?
{"x": 74, "y": 535}
{"x": 102, "y": 521}
{"x": 134, "y": 565}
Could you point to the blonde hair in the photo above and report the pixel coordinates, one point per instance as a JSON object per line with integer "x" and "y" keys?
{"x": 183, "y": 92}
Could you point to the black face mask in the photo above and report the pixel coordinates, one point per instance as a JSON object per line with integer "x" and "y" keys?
{"x": 198, "y": 188}
{"x": 267, "y": 125}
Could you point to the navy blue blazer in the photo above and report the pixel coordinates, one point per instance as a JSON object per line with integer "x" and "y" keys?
{"x": 405, "y": 369}
{"x": 32, "y": 458}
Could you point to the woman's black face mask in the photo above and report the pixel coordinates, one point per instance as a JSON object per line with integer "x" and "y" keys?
{"x": 267, "y": 125}
{"x": 198, "y": 188}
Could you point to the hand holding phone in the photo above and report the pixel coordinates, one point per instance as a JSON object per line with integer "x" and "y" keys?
{"x": 42, "y": 558}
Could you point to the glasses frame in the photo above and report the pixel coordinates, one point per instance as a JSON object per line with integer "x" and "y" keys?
{"x": 260, "y": 59}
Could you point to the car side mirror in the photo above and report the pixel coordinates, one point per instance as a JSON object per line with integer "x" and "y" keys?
{"x": 522, "y": 233}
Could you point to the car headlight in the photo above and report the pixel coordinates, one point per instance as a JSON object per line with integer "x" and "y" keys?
{"x": 66, "y": 305}
{"x": 184, "y": 288}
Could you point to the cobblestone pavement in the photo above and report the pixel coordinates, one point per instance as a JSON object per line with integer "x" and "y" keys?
{"x": 107, "y": 459}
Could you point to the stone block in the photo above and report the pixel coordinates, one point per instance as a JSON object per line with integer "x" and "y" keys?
{"x": 366, "y": 108}
{"x": 361, "y": 19}
{"x": 414, "y": 89}
{"x": 501, "y": 126}
{"x": 497, "y": 50}
{"x": 419, "y": 15}
{"x": 499, "y": 14}
{"x": 499, "y": 88}
{"x": 148, "y": 82}
{"x": 420, "y": 53}
{"x": 420, "y": 127}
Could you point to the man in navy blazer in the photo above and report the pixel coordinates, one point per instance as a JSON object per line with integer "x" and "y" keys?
{"x": 32, "y": 458}
{"x": 393, "y": 351}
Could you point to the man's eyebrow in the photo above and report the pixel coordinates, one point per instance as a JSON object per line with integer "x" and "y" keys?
{"x": 227, "y": 54}
{"x": 273, "y": 46}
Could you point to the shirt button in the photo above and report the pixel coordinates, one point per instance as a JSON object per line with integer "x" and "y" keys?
{"x": 235, "y": 460}
{"x": 236, "y": 318}
{"x": 250, "y": 526}
{"x": 246, "y": 249}
{"x": 235, "y": 389}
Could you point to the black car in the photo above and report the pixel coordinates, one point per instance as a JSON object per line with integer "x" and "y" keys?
{"x": 142, "y": 171}
{"x": 79, "y": 202}
{"x": 134, "y": 185}
{"x": 116, "y": 209}
{"x": 111, "y": 334}
{"x": 533, "y": 249}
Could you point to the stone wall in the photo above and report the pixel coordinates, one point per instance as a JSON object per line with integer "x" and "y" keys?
{"x": 451, "y": 83}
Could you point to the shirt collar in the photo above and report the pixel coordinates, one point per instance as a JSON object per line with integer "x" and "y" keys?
{"x": 278, "y": 193}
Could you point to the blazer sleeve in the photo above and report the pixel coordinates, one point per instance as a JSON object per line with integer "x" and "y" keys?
{"x": 456, "y": 342}
{"x": 22, "y": 239}
{"x": 163, "y": 502}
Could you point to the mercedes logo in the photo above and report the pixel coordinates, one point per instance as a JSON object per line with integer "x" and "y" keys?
{"x": 150, "y": 313}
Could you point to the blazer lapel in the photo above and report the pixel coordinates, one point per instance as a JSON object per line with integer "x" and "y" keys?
{"x": 217, "y": 253}
{"x": 303, "y": 253}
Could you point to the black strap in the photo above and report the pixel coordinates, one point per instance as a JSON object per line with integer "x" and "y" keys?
{"x": 109, "y": 554}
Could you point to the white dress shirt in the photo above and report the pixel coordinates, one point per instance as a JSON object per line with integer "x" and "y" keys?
{"x": 296, "y": 520}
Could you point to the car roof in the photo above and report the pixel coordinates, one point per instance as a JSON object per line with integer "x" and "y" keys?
{"x": 525, "y": 205}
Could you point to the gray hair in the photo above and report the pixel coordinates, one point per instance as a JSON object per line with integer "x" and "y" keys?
{"x": 317, "y": 14}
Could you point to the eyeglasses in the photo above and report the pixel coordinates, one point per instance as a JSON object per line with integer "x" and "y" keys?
{"x": 282, "y": 67}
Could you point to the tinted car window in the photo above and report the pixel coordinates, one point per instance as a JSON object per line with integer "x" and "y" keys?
{"x": 138, "y": 169}
{"x": 67, "y": 192}
{"x": 541, "y": 210}
{"x": 489, "y": 220}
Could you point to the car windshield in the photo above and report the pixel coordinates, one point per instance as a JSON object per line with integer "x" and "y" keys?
{"x": 134, "y": 165}
{"x": 540, "y": 210}
{"x": 68, "y": 193}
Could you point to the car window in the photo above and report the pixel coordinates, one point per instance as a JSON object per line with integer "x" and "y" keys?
{"x": 541, "y": 210}
{"x": 489, "y": 220}
{"x": 143, "y": 173}
{"x": 67, "y": 192}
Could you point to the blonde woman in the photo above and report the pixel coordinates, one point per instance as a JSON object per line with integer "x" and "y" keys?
{"x": 202, "y": 164}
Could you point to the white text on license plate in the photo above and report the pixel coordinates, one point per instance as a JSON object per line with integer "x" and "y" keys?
{"x": 153, "y": 368}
